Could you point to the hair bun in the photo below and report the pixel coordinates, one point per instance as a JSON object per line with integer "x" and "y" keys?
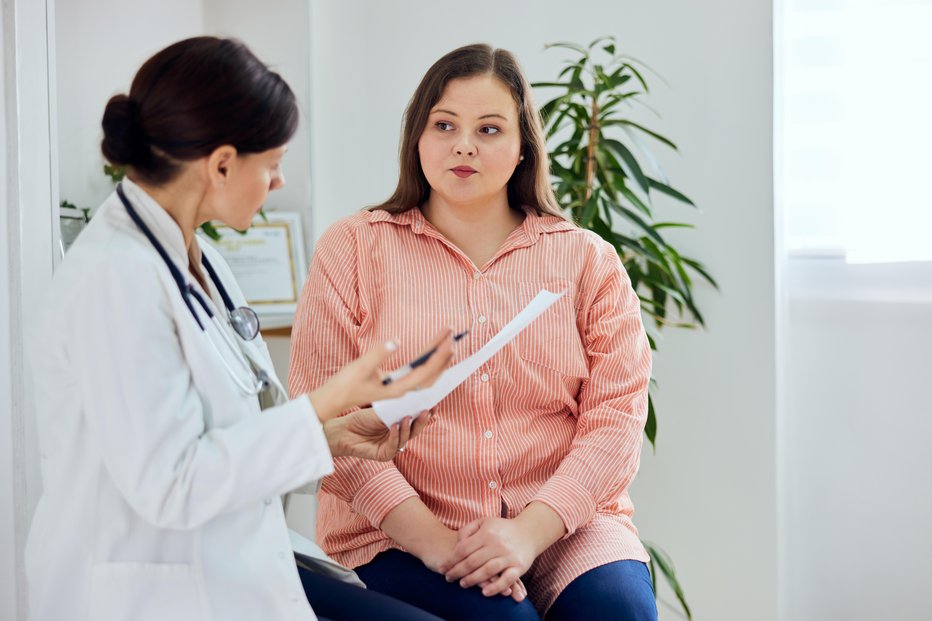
{"x": 124, "y": 141}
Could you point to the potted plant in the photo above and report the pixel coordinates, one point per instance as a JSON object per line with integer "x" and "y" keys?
{"x": 596, "y": 162}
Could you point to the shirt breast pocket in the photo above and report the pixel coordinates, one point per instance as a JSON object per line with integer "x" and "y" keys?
{"x": 554, "y": 340}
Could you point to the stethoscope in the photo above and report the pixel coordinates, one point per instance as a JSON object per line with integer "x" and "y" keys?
{"x": 243, "y": 319}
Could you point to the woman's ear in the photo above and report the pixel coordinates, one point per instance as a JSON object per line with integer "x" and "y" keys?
{"x": 220, "y": 165}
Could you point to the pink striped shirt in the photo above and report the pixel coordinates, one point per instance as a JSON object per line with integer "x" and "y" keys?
{"x": 557, "y": 416}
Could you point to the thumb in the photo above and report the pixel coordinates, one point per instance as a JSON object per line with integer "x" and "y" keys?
{"x": 469, "y": 530}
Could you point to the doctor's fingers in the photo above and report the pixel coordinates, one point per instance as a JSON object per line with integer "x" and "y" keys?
{"x": 404, "y": 432}
{"x": 375, "y": 357}
{"x": 425, "y": 375}
{"x": 421, "y": 422}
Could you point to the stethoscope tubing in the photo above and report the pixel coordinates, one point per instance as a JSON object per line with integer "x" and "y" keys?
{"x": 188, "y": 291}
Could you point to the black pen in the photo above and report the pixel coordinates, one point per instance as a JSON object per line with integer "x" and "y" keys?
{"x": 399, "y": 373}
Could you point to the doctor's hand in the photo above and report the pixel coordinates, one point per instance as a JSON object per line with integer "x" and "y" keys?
{"x": 362, "y": 434}
{"x": 360, "y": 383}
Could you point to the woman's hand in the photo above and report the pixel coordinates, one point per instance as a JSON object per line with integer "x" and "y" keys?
{"x": 362, "y": 434}
{"x": 359, "y": 383}
{"x": 493, "y": 553}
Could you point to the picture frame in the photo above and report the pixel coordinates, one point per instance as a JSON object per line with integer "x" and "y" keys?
{"x": 268, "y": 262}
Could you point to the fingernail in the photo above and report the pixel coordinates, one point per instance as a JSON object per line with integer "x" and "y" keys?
{"x": 463, "y": 583}
{"x": 391, "y": 345}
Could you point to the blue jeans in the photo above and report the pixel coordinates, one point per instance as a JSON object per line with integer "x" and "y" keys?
{"x": 333, "y": 600}
{"x": 620, "y": 591}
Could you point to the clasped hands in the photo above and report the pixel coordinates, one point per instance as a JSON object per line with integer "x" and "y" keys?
{"x": 492, "y": 553}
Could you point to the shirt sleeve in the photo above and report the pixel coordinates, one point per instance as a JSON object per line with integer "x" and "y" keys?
{"x": 324, "y": 339}
{"x": 605, "y": 453}
{"x": 141, "y": 403}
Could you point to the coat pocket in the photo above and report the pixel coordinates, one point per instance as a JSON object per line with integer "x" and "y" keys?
{"x": 145, "y": 592}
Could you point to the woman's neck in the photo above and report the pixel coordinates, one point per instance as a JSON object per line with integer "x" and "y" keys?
{"x": 479, "y": 230}
{"x": 181, "y": 201}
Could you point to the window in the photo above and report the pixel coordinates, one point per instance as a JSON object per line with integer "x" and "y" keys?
{"x": 854, "y": 128}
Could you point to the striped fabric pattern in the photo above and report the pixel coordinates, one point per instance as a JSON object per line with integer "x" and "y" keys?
{"x": 557, "y": 416}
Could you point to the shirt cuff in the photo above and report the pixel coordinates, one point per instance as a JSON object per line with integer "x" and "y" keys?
{"x": 304, "y": 409}
{"x": 571, "y": 501}
{"x": 382, "y": 493}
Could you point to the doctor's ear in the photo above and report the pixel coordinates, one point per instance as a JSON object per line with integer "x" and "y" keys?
{"x": 220, "y": 164}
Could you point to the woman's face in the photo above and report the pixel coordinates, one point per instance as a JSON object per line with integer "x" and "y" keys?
{"x": 471, "y": 143}
{"x": 253, "y": 176}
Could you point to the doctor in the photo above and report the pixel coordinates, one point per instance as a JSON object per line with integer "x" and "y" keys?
{"x": 165, "y": 439}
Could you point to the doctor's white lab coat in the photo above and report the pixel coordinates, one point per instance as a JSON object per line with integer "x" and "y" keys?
{"x": 161, "y": 477}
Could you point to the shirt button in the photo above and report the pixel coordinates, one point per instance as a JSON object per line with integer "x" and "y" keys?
{"x": 488, "y": 434}
{"x": 268, "y": 501}
{"x": 484, "y": 377}
{"x": 492, "y": 484}
{"x": 481, "y": 318}
{"x": 477, "y": 275}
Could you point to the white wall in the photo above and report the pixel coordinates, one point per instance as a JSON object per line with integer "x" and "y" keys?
{"x": 277, "y": 32}
{"x": 708, "y": 495}
{"x": 8, "y": 578}
{"x": 28, "y": 243}
{"x": 100, "y": 45}
{"x": 855, "y": 456}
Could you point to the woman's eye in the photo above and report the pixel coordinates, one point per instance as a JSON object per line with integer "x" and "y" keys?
{"x": 490, "y": 130}
{"x": 444, "y": 126}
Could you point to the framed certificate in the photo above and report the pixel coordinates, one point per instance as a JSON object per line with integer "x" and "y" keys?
{"x": 268, "y": 261}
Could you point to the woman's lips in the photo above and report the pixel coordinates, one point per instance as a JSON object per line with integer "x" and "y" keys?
{"x": 463, "y": 171}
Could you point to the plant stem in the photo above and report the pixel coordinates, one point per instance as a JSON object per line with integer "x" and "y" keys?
{"x": 590, "y": 149}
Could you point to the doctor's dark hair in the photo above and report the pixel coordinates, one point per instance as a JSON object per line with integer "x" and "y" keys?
{"x": 529, "y": 186}
{"x": 192, "y": 97}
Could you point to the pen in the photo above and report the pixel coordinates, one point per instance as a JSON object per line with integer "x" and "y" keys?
{"x": 399, "y": 373}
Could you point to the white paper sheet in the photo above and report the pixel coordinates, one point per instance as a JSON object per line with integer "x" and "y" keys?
{"x": 390, "y": 411}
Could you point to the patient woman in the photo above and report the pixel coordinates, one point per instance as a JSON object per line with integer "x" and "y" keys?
{"x": 514, "y": 503}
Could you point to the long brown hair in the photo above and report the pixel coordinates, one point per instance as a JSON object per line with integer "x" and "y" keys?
{"x": 529, "y": 186}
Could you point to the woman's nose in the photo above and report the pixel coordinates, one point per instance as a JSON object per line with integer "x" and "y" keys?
{"x": 278, "y": 181}
{"x": 465, "y": 148}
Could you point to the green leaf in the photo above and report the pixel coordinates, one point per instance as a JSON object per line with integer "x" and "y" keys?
{"x": 650, "y": 427}
{"x": 664, "y": 188}
{"x": 628, "y": 158}
{"x": 636, "y": 201}
{"x": 699, "y": 267}
{"x": 634, "y": 217}
{"x": 570, "y": 46}
{"x": 589, "y": 210}
{"x": 649, "y": 132}
{"x": 595, "y": 42}
{"x": 116, "y": 173}
{"x": 210, "y": 231}
{"x": 673, "y": 225}
{"x": 665, "y": 563}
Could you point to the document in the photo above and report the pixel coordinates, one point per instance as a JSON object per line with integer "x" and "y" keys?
{"x": 390, "y": 411}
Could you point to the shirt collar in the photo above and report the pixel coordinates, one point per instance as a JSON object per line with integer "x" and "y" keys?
{"x": 162, "y": 225}
{"x": 533, "y": 226}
